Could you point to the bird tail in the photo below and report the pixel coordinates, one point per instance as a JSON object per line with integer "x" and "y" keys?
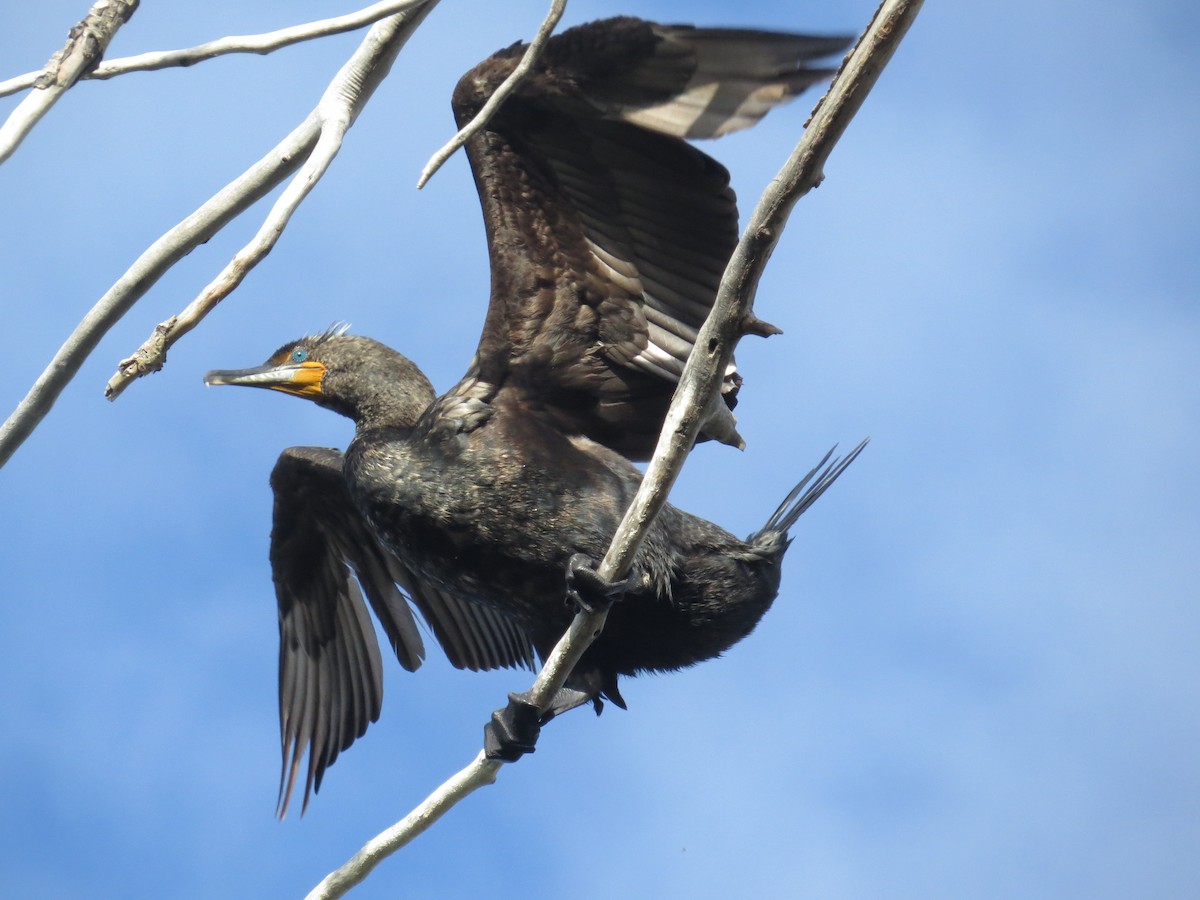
{"x": 811, "y": 486}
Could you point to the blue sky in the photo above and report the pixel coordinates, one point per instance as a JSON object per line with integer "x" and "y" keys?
{"x": 980, "y": 678}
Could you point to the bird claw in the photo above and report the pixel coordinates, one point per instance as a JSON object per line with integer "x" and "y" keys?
{"x": 586, "y": 590}
{"x": 513, "y": 731}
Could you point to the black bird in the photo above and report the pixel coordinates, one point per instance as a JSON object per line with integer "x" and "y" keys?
{"x": 608, "y": 234}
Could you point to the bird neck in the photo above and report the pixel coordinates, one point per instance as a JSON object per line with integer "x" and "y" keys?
{"x": 394, "y": 406}
{"x": 390, "y": 392}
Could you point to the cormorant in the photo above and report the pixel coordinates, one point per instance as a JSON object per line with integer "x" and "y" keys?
{"x": 608, "y": 234}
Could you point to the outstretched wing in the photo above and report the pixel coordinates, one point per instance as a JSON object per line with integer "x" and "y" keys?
{"x": 330, "y": 670}
{"x": 608, "y": 232}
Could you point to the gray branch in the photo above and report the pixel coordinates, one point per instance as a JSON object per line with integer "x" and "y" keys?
{"x": 731, "y": 317}
{"x": 85, "y": 48}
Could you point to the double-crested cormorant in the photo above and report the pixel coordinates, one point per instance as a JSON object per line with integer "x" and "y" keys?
{"x": 608, "y": 235}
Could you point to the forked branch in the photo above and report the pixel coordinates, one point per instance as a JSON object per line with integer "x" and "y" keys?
{"x": 335, "y": 113}
{"x": 311, "y": 144}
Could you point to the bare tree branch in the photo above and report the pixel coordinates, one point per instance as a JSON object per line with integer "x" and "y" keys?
{"x": 85, "y": 48}
{"x": 510, "y": 84}
{"x": 252, "y": 43}
{"x": 157, "y": 259}
{"x": 730, "y": 318}
{"x": 335, "y": 113}
{"x": 340, "y": 105}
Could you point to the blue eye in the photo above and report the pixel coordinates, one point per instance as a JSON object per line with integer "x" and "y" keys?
{"x": 299, "y": 355}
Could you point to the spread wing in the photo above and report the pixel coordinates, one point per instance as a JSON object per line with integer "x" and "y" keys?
{"x": 324, "y": 558}
{"x": 608, "y": 232}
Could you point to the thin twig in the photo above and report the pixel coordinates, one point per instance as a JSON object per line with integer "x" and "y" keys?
{"x": 730, "y": 317}
{"x": 510, "y": 84}
{"x": 84, "y": 49}
{"x": 264, "y": 43}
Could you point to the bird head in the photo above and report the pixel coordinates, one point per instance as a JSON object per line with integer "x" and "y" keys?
{"x": 349, "y": 374}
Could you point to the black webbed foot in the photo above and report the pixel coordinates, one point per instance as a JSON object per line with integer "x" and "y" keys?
{"x": 587, "y": 590}
{"x": 513, "y": 731}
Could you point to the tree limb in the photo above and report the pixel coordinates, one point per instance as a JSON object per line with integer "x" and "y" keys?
{"x": 85, "y": 48}
{"x": 730, "y": 318}
{"x": 264, "y": 43}
{"x": 510, "y": 84}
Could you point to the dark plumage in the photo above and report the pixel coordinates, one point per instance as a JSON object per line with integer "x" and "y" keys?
{"x": 607, "y": 242}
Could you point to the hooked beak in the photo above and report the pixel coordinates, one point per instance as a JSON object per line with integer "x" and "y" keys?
{"x": 299, "y": 379}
